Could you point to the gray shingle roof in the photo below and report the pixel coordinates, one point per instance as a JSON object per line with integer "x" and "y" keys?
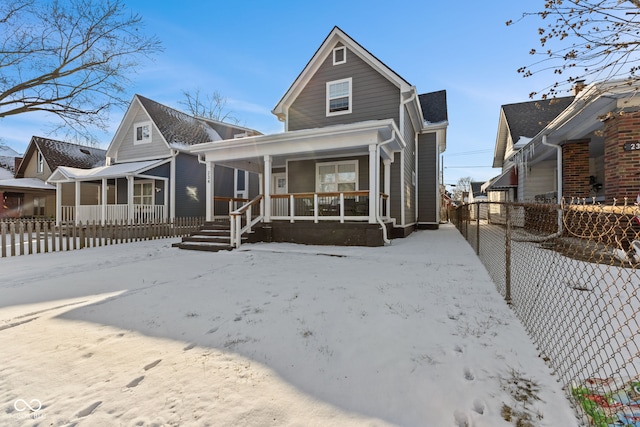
{"x": 59, "y": 153}
{"x": 180, "y": 128}
{"x": 529, "y": 118}
{"x": 434, "y": 106}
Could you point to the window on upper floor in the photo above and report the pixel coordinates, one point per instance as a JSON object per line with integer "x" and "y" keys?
{"x": 339, "y": 55}
{"x": 40, "y": 165}
{"x": 142, "y": 133}
{"x": 339, "y": 98}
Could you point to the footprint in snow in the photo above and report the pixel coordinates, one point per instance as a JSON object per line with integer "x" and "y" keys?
{"x": 152, "y": 364}
{"x": 89, "y": 409}
{"x": 479, "y": 407}
{"x": 462, "y": 419}
{"x": 468, "y": 374}
{"x": 135, "y": 382}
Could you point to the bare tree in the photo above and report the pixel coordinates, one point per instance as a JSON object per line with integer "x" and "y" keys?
{"x": 69, "y": 58}
{"x": 592, "y": 40}
{"x": 211, "y": 106}
{"x": 462, "y": 188}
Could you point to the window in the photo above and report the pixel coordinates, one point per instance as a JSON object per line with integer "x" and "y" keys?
{"x": 337, "y": 177}
{"x": 38, "y": 206}
{"x": 142, "y": 133}
{"x": 143, "y": 193}
{"x": 339, "y": 55}
{"x": 339, "y": 97}
{"x": 40, "y": 165}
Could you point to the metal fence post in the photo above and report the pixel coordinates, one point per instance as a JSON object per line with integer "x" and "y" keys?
{"x": 477, "y": 228}
{"x": 507, "y": 266}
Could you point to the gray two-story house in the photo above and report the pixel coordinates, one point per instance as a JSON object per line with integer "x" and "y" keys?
{"x": 358, "y": 161}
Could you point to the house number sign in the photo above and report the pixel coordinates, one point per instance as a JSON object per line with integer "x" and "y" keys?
{"x": 632, "y": 146}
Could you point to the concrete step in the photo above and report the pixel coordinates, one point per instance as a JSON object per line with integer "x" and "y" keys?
{"x": 203, "y": 246}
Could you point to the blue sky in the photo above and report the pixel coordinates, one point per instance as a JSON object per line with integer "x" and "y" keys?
{"x": 252, "y": 51}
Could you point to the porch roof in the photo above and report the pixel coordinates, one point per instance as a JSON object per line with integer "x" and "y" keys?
{"x": 347, "y": 139}
{"x": 20, "y": 184}
{"x": 504, "y": 181}
{"x": 68, "y": 174}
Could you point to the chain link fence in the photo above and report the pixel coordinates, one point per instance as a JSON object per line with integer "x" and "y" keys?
{"x": 570, "y": 273}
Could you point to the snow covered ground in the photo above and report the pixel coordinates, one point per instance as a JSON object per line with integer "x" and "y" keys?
{"x": 413, "y": 334}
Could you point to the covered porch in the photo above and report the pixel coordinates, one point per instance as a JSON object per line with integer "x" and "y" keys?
{"x": 121, "y": 193}
{"x": 339, "y": 174}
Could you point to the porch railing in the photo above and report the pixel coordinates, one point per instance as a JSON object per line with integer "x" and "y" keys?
{"x": 343, "y": 206}
{"x": 141, "y": 214}
{"x": 244, "y": 218}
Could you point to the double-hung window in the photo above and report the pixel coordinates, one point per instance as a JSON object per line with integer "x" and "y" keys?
{"x": 339, "y": 97}
{"x": 40, "y": 165}
{"x": 337, "y": 177}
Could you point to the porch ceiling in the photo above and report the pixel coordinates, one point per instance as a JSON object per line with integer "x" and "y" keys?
{"x": 341, "y": 140}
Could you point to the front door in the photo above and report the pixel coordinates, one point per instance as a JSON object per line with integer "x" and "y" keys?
{"x": 279, "y": 206}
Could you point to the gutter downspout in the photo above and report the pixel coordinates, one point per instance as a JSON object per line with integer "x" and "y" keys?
{"x": 377, "y": 184}
{"x": 559, "y": 178}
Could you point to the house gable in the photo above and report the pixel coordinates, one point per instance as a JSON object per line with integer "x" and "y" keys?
{"x": 54, "y": 154}
{"x": 125, "y": 148}
{"x": 366, "y": 71}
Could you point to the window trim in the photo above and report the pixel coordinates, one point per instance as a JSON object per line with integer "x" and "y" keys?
{"x": 344, "y": 55}
{"x": 142, "y": 183}
{"x": 144, "y": 140}
{"x": 39, "y": 163}
{"x": 335, "y": 165}
{"x": 328, "y": 96}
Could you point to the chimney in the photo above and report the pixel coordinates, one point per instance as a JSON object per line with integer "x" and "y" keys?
{"x": 578, "y": 86}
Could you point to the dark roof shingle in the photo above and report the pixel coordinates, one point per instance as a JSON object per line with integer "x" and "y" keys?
{"x": 434, "y": 106}
{"x": 529, "y": 118}
{"x": 59, "y": 153}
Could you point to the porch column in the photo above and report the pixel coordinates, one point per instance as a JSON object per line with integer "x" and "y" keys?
{"x": 77, "y": 197}
{"x": 58, "y": 203}
{"x": 209, "y": 191}
{"x": 130, "y": 198}
{"x": 165, "y": 212}
{"x": 172, "y": 188}
{"x": 387, "y": 185}
{"x": 260, "y": 187}
{"x": 374, "y": 194}
{"x": 267, "y": 188}
{"x": 103, "y": 214}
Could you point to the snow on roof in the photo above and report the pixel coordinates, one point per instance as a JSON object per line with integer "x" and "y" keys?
{"x": 5, "y": 173}
{"x": 65, "y": 173}
{"x": 32, "y": 183}
{"x": 6, "y": 151}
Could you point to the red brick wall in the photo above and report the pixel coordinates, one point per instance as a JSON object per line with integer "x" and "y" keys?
{"x": 575, "y": 169}
{"x": 621, "y": 168}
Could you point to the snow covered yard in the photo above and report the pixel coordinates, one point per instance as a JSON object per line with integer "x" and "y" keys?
{"x": 413, "y": 334}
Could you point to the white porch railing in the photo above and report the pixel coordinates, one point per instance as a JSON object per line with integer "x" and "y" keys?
{"x": 344, "y": 206}
{"x": 243, "y": 219}
{"x": 141, "y": 214}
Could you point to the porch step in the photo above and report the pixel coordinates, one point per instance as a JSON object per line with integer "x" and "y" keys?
{"x": 211, "y": 236}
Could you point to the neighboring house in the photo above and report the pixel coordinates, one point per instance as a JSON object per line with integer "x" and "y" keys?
{"x": 588, "y": 150}
{"x": 359, "y": 155}
{"x": 27, "y": 194}
{"x": 523, "y": 177}
{"x": 149, "y": 174}
{"x": 9, "y": 160}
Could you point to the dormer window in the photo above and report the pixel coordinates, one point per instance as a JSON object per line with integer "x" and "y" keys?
{"x": 142, "y": 133}
{"x": 339, "y": 97}
{"x": 339, "y": 55}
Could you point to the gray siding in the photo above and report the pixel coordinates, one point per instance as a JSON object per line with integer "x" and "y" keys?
{"x": 409, "y": 168}
{"x": 128, "y": 151}
{"x": 374, "y": 97}
{"x": 301, "y": 176}
{"x": 395, "y": 189}
{"x": 254, "y": 185}
{"x": 427, "y": 179}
